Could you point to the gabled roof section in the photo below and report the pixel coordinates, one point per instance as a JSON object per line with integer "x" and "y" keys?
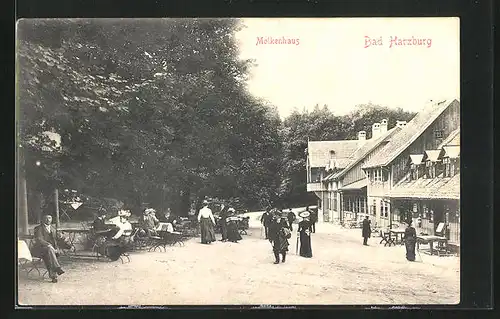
{"x": 364, "y": 151}
{"x": 413, "y": 129}
{"x": 452, "y": 140}
{"x": 356, "y": 185}
{"x": 424, "y": 188}
{"x": 319, "y": 151}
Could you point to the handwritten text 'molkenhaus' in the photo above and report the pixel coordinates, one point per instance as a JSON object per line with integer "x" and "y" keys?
{"x": 280, "y": 40}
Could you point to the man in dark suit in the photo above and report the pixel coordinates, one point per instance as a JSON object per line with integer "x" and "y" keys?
{"x": 46, "y": 246}
{"x": 265, "y": 219}
{"x": 99, "y": 223}
{"x": 366, "y": 230}
{"x": 223, "y": 222}
{"x": 291, "y": 218}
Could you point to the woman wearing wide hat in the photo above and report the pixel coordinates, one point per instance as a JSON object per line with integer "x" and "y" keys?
{"x": 233, "y": 235}
{"x": 116, "y": 244}
{"x": 410, "y": 241}
{"x": 305, "y": 230}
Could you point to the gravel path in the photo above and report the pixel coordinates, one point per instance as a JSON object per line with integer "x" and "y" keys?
{"x": 342, "y": 271}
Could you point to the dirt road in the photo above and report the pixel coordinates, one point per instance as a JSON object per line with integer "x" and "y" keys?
{"x": 342, "y": 271}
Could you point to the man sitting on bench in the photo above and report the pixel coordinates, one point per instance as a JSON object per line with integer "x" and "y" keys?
{"x": 46, "y": 246}
{"x": 149, "y": 222}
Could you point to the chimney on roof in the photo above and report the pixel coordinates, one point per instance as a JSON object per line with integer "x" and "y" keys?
{"x": 375, "y": 130}
{"x": 383, "y": 126}
{"x": 400, "y": 124}
{"x": 331, "y": 162}
{"x": 361, "y": 137}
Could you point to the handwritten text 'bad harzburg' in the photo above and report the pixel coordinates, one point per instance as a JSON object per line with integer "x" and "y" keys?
{"x": 398, "y": 42}
{"x": 279, "y": 40}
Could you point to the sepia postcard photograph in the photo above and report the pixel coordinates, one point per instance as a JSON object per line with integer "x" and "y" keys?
{"x": 238, "y": 161}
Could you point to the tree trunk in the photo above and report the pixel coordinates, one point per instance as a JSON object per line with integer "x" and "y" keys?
{"x": 185, "y": 203}
{"x": 22, "y": 206}
{"x": 22, "y": 196}
{"x": 56, "y": 206}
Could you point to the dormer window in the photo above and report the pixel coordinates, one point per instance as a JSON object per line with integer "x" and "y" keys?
{"x": 451, "y": 166}
{"x": 367, "y": 173}
{"x": 447, "y": 167}
{"x": 429, "y": 172}
{"x": 416, "y": 171}
{"x": 431, "y": 164}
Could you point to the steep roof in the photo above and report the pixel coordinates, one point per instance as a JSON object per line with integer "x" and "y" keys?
{"x": 413, "y": 129}
{"x": 364, "y": 151}
{"x": 423, "y": 188}
{"x": 452, "y": 140}
{"x": 319, "y": 151}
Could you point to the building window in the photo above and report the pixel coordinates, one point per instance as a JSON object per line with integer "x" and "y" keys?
{"x": 335, "y": 202}
{"x": 446, "y": 164}
{"x": 382, "y": 208}
{"x": 431, "y": 168}
{"x": 374, "y": 208}
{"x": 385, "y": 175}
{"x": 417, "y": 171}
{"x": 438, "y": 169}
{"x": 456, "y": 166}
{"x": 386, "y": 210}
{"x": 362, "y": 205}
{"x": 438, "y": 134}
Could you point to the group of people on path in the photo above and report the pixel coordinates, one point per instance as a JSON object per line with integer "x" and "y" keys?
{"x": 228, "y": 222}
{"x": 278, "y": 227}
{"x": 410, "y": 237}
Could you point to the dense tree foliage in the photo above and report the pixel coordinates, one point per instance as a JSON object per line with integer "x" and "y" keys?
{"x": 158, "y": 112}
{"x": 152, "y": 112}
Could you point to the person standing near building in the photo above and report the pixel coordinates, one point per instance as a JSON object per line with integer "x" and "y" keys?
{"x": 313, "y": 218}
{"x": 305, "y": 235}
{"x": 366, "y": 230}
{"x": 207, "y": 221}
{"x": 410, "y": 241}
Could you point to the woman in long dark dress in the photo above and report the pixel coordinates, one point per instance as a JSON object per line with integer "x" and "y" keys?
{"x": 410, "y": 241}
{"x": 223, "y": 223}
{"x": 233, "y": 235}
{"x": 305, "y": 230}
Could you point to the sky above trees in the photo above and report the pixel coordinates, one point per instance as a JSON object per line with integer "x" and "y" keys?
{"x": 331, "y": 66}
{"x": 161, "y": 112}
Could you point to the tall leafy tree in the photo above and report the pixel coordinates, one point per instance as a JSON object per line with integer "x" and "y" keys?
{"x": 148, "y": 111}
